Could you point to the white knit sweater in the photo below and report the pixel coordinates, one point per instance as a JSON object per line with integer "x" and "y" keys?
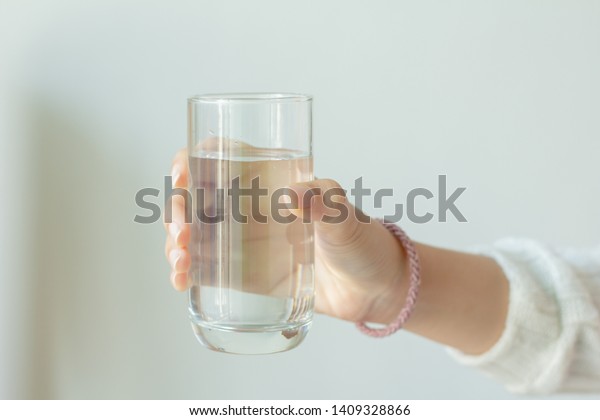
{"x": 551, "y": 342}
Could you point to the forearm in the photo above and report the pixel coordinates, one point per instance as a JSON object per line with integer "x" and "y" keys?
{"x": 462, "y": 302}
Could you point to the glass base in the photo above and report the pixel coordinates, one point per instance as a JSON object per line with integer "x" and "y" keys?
{"x": 250, "y": 339}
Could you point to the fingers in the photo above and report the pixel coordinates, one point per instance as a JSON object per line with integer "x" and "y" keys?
{"x": 178, "y": 231}
{"x": 179, "y": 224}
{"x": 179, "y": 258}
{"x": 180, "y": 281}
{"x": 175, "y": 221}
{"x": 180, "y": 261}
{"x": 180, "y": 170}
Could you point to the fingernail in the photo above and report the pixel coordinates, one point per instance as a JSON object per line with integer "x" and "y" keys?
{"x": 175, "y": 231}
{"x": 175, "y": 174}
{"x": 180, "y": 281}
{"x": 173, "y": 279}
{"x": 174, "y": 257}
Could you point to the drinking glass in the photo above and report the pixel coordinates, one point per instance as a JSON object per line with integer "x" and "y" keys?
{"x": 252, "y": 268}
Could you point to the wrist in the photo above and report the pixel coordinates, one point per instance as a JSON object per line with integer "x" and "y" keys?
{"x": 386, "y": 306}
{"x": 403, "y": 286}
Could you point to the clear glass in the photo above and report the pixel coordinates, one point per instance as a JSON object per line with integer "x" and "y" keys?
{"x": 252, "y": 280}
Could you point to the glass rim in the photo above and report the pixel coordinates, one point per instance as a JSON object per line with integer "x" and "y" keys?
{"x": 251, "y": 97}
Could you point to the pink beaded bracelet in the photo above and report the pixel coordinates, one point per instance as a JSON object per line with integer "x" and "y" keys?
{"x": 413, "y": 290}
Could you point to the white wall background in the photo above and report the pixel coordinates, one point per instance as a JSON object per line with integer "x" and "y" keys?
{"x": 503, "y": 97}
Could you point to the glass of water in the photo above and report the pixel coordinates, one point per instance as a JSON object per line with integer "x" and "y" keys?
{"x": 252, "y": 259}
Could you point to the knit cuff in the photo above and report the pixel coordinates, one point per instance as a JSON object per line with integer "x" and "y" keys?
{"x": 545, "y": 308}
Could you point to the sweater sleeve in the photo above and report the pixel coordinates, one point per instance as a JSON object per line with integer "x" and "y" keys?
{"x": 551, "y": 340}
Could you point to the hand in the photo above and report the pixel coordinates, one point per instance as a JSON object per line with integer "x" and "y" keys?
{"x": 360, "y": 269}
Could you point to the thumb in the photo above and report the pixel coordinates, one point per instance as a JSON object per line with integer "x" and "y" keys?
{"x": 324, "y": 202}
